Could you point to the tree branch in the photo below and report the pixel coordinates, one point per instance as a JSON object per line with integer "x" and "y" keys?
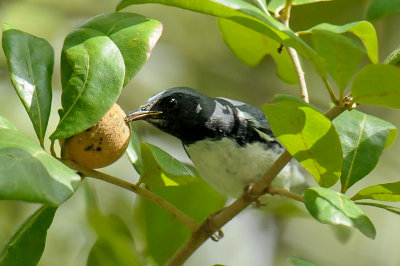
{"x": 217, "y": 220}
{"x": 171, "y": 209}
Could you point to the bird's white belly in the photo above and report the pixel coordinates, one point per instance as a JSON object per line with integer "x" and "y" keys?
{"x": 229, "y": 167}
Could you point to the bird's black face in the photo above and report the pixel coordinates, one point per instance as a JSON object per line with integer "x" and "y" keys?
{"x": 181, "y": 112}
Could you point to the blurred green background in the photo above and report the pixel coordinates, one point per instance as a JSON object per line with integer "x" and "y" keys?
{"x": 191, "y": 53}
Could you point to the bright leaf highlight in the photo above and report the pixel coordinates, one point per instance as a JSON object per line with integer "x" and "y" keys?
{"x": 308, "y": 136}
{"x": 30, "y": 62}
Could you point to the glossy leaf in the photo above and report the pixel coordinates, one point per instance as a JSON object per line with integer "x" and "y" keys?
{"x": 28, "y": 173}
{"x": 114, "y": 244}
{"x": 26, "y": 245}
{"x": 98, "y": 58}
{"x": 363, "y": 139}
{"x": 6, "y": 124}
{"x": 276, "y": 6}
{"x": 392, "y": 209}
{"x": 381, "y": 8}
{"x": 160, "y": 169}
{"x": 331, "y": 207}
{"x": 133, "y": 151}
{"x": 307, "y": 135}
{"x": 383, "y": 192}
{"x": 196, "y": 199}
{"x": 377, "y": 85}
{"x": 133, "y": 34}
{"x": 251, "y": 47}
{"x": 342, "y": 55}
{"x": 364, "y": 30}
{"x": 247, "y": 15}
{"x": 30, "y": 62}
{"x": 301, "y": 262}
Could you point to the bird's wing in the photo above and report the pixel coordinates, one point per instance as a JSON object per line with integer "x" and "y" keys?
{"x": 255, "y": 117}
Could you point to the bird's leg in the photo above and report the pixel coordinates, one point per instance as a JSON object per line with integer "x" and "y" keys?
{"x": 251, "y": 197}
{"x": 210, "y": 229}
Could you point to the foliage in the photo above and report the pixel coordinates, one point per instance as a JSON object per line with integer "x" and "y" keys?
{"x": 102, "y": 55}
{"x": 26, "y": 246}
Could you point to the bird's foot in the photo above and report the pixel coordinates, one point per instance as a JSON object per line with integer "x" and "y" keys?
{"x": 252, "y": 197}
{"x": 209, "y": 227}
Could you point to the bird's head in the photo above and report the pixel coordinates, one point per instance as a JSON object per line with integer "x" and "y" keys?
{"x": 181, "y": 112}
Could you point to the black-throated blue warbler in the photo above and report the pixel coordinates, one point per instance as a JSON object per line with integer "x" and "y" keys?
{"x": 229, "y": 142}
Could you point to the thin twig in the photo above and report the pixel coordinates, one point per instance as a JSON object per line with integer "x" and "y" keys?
{"x": 300, "y": 73}
{"x": 284, "y": 193}
{"x": 294, "y": 56}
{"x": 334, "y": 99}
{"x": 286, "y": 12}
{"x": 217, "y": 220}
{"x": 171, "y": 209}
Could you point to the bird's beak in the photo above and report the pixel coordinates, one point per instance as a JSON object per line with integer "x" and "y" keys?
{"x": 141, "y": 114}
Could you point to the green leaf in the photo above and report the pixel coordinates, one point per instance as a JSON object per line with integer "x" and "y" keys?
{"x": 26, "y": 245}
{"x": 377, "y": 85}
{"x": 251, "y": 47}
{"x": 342, "y": 55}
{"x": 262, "y": 4}
{"x": 247, "y": 15}
{"x": 133, "y": 34}
{"x": 301, "y": 262}
{"x": 30, "y": 62}
{"x": 6, "y": 124}
{"x": 196, "y": 199}
{"x": 307, "y": 135}
{"x": 160, "y": 169}
{"x": 114, "y": 244}
{"x": 276, "y": 6}
{"x": 382, "y": 206}
{"x": 28, "y": 173}
{"x": 133, "y": 151}
{"x": 364, "y": 30}
{"x": 391, "y": 137}
{"x": 363, "y": 139}
{"x": 304, "y": 2}
{"x": 98, "y": 58}
{"x": 331, "y": 207}
{"x": 381, "y": 8}
{"x": 394, "y": 57}
{"x": 383, "y": 192}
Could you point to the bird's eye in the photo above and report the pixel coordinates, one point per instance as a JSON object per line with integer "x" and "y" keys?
{"x": 170, "y": 103}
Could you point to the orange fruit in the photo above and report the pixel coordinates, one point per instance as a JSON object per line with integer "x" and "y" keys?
{"x": 100, "y": 145}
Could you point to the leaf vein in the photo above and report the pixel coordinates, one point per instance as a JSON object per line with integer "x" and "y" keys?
{"x": 362, "y": 127}
{"x": 29, "y": 66}
{"x": 80, "y": 91}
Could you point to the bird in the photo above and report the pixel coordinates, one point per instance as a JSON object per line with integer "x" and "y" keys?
{"x": 229, "y": 142}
